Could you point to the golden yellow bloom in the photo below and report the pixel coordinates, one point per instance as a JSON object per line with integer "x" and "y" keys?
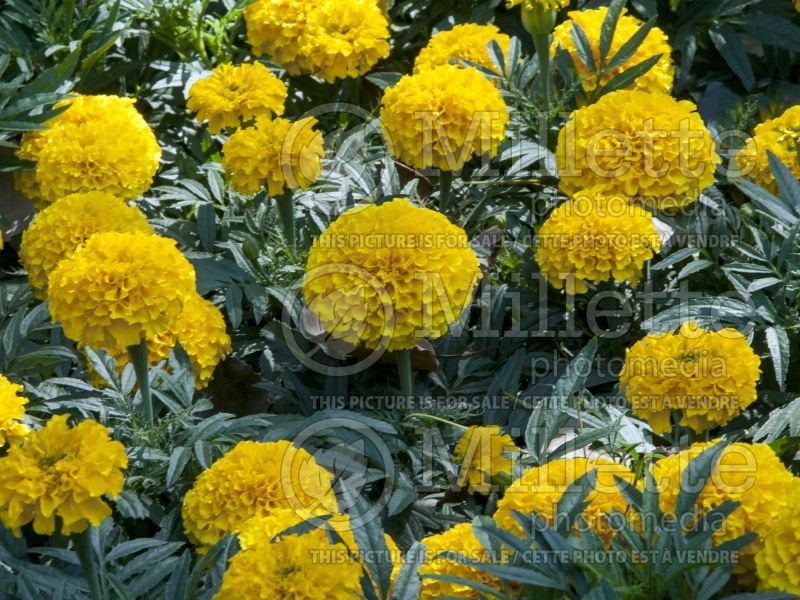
{"x": 461, "y": 540}
{"x": 540, "y": 489}
{"x": 708, "y": 376}
{"x": 778, "y": 560}
{"x": 650, "y": 147}
{"x": 119, "y": 288}
{"x": 61, "y": 228}
{"x": 468, "y": 42}
{"x": 232, "y": 95}
{"x": 276, "y": 154}
{"x": 255, "y": 479}
{"x": 781, "y": 136}
{"x": 748, "y": 473}
{"x": 344, "y": 38}
{"x": 595, "y": 238}
{"x": 99, "y": 143}
{"x": 530, "y": 4}
{"x": 427, "y": 124}
{"x": 388, "y": 276}
{"x": 12, "y": 411}
{"x": 295, "y": 566}
{"x": 274, "y": 28}
{"x": 657, "y": 80}
{"x": 25, "y": 183}
{"x": 485, "y": 453}
{"x": 61, "y": 472}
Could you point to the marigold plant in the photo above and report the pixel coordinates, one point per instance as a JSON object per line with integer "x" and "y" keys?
{"x": 466, "y": 42}
{"x": 656, "y": 80}
{"x": 648, "y": 147}
{"x": 427, "y": 124}
{"x": 540, "y": 489}
{"x": 255, "y": 479}
{"x": 595, "y": 238}
{"x": 99, "y": 143}
{"x": 485, "y": 454}
{"x": 708, "y": 377}
{"x": 61, "y": 472}
{"x": 120, "y": 288}
{"x": 12, "y": 411}
{"x": 747, "y": 473}
{"x": 235, "y": 94}
{"x": 276, "y": 154}
{"x": 388, "y": 276}
{"x": 60, "y": 229}
{"x": 781, "y": 136}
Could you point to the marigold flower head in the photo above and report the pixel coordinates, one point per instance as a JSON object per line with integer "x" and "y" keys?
{"x": 307, "y": 565}
{"x": 388, "y": 276}
{"x": 274, "y": 28}
{"x": 276, "y": 154}
{"x": 468, "y": 42}
{"x": 62, "y": 472}
{"x": 781, "y": 136}
{"x": 459, "y": 539}
{"x": 427, "y": 124}
{"x": 12, "y": 411}
{"x": 708, "y": 376}
{"x": 778, "y": 560}
{"x": 63, "y": 227}
{"x": 255, "y": 479}
{"x": 235, "y": 94}
{"x": 99, "y": 143}
{"x": 540, "y": 489}
{"x": 747, "y": 473}
{"x": 485, "y": 453}
{"x": 344, "y": 38}
{"x": 119, "y": 288}
{"x": 645, "y": 146}
{"x": 595, "y": 238}
{"x": 657, "y": 80}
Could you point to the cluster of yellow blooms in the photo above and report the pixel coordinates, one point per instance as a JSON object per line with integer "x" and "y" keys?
{"x": 80, "y": 151}
{"x": 781, "y": 136}
{"x": 389, "y": 275}
{"x": 595, "y": 238}
{"x": 708, "y": 377}
{"x": 467, "y": 42}
{"x": 332, "y": 39}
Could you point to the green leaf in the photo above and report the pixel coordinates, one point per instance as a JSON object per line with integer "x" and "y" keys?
{"x": 628, "y": 76}
{"x": 787, "y": 182}
{"x": 407, "y": 585}
{"x": 694, "y": 478}
{"x": 779, "y": 349}
{"x": 629, "y": 48}
{"x": 608, "y": 28}
{"x": 206, "y": 226}
{"x": 726, "y": 40}
{"x": 583, "y": 46}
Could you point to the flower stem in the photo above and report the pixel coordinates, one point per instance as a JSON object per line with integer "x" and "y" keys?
{"x": 406, "y": 374}
{"x": 138, "y": 356}
{"x": 85, "y": 552}
{"x": 286, "y": 211}
{"x": 541, "y": 43}
{"x": 434, "y": 418}
{"x": 445, "y": 187}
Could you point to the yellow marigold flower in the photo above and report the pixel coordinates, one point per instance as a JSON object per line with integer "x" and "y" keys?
{"x": 461, "y": 540}
{"x": 232, "y": 95}
{"x": 657, "y": 80}
{"x": 63, "y": 472}
{"x": 747, "y": 473}
{"x": 25, "y": 183}
{"x": 275, "y": 153}
{"x": 388, "y": 276}
{"x": 595, "y": 238}
{"x": 99, "y": 143}
{"x": 469, "y": 42}
{"x": 485, "y": 453}
{"x": 61, "y": 228}
{"x": 274, "y": 28}
{"x": 781, "y": 136}
{"x": 427, "y": 124}
{"x": 12, "y": 411}
{"x": 540, "y": 489}
{"x": 645, "y": 146}
{"x": 531, "y": 4}
{"x": 344, "y": 38}
{"x": 708, "y": 376}
{"x": 295, "y": 566}
{"x": 778, "y": 560}
{"x": 255, "y": 479}
{"x": 119, "y": 288}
